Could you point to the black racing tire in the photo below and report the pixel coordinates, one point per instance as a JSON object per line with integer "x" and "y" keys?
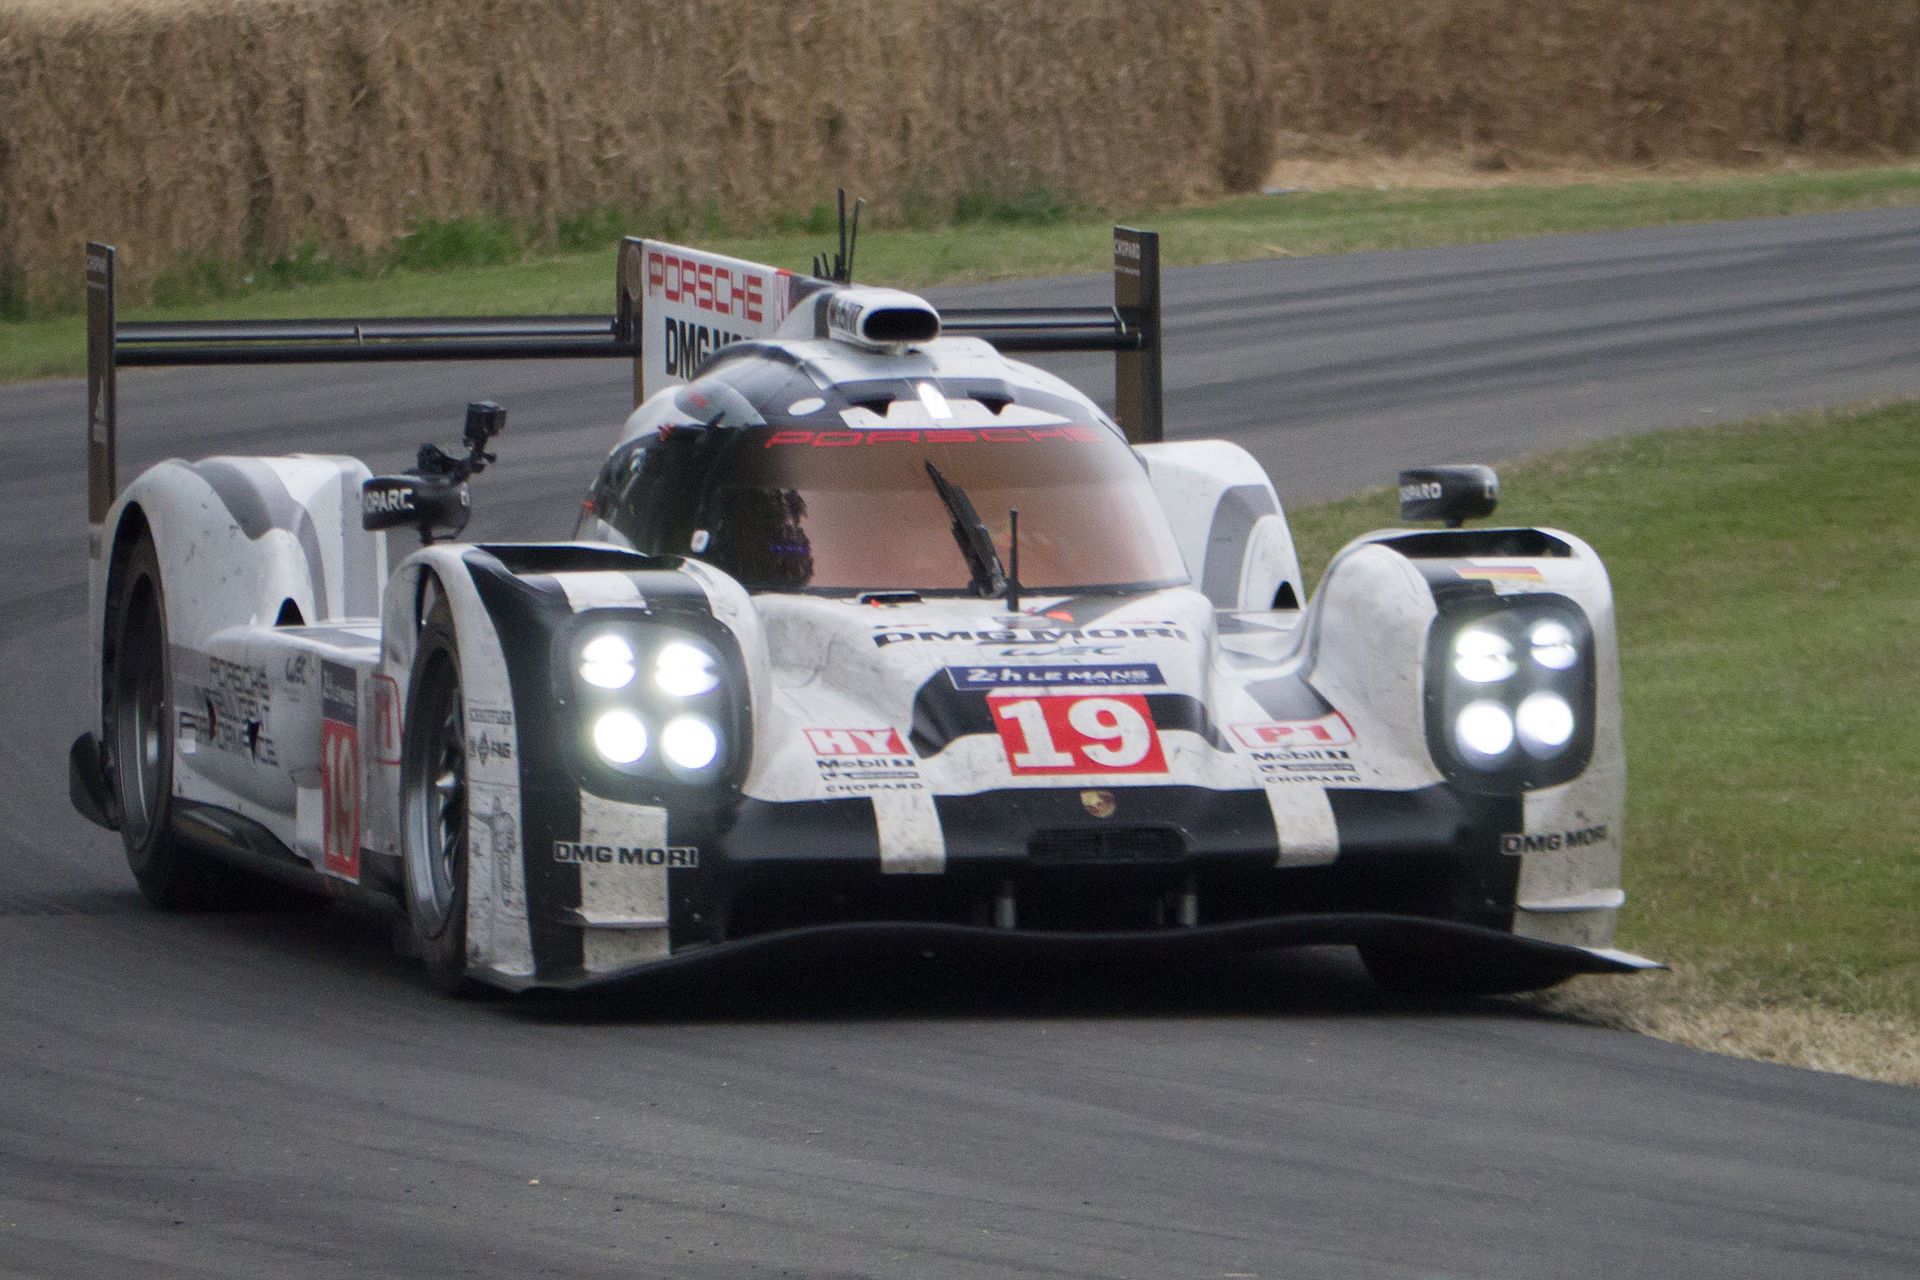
{"x": 1428, "y": 975}
{"x": 433, "y": 808}
{"x": 138, "y": 722}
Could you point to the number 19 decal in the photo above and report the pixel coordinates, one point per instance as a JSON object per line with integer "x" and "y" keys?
{"x": 1075, "y": 733}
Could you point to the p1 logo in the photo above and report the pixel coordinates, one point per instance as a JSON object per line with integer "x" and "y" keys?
{"x": 1077, "y": 734}
{"x": 1329, "y": 730}
{"x": 340, "y": 770}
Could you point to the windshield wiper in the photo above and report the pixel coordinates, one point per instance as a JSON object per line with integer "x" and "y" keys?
{"x": 976, "y": 544}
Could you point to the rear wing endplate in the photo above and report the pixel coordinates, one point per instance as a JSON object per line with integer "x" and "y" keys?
{"x": 1130, "y": 329}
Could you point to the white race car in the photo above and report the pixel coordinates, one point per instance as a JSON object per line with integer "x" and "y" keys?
{"x": 867, "y": 630}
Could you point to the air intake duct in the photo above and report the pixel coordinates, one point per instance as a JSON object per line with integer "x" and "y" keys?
{"x": 880, "y": 319}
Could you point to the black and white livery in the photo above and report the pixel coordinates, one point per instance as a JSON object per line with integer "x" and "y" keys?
{"x": 867, "y": 629}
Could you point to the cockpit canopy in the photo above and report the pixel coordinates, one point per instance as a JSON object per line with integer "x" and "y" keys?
{"x": 788, "y": 486}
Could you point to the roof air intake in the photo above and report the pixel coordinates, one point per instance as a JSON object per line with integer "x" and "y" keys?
{"x": 880, "y": 318}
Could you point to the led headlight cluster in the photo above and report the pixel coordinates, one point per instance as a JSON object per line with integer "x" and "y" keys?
{"x": 1510, "y": 693}
{"x": 650, "y": 697}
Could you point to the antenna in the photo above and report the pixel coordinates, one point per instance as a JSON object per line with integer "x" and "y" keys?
{"x": 1013, "y": 561}
{"x": 853, "y": 239}
{"x": 840, "y": 268}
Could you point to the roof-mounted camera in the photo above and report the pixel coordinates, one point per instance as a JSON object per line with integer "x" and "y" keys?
{"x": 432, "y": 495}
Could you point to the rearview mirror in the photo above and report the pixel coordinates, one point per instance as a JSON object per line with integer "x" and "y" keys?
{"x": 435, "y": 505}
{"x": 1452, "y": 494}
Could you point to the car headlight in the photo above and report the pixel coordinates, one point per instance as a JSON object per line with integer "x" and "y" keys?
{"x": 653, "y": 704}
{"x": 1482, "y": 656}
{"x": 684, "y": 670}
{"x": 1546, "y": 724}
{"x": 606, "y": 662}
{"x": 691, "y": 742}
{"x": 1483, "y": 730}
{"x": 1552, "y": 645}
{"x": 1511, "y": 692}
{"x": 620, "y": 736}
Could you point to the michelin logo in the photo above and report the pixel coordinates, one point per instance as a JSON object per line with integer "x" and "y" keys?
{"x": 574, "y": 853}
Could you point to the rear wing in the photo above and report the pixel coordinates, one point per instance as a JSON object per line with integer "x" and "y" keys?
{"x": 1130, "y": 329}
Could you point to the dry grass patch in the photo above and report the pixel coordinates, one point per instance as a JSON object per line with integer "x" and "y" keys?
{"x": 1722, "y": 1013}
{"x": 1304, "y": 163}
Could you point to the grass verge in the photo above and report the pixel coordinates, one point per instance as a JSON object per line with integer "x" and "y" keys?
{"x": 1764, "y": 574}
{"x": 483, "y": 267}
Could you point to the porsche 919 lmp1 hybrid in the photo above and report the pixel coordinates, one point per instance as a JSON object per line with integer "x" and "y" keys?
{"x": 866, "y": 630}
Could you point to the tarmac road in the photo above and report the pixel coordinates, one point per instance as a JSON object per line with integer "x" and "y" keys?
{"x": 276, "y": 1094}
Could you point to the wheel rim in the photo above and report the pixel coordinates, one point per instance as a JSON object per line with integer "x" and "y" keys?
{"x": 140, "y": 715}
{"x": 436, "y": 790}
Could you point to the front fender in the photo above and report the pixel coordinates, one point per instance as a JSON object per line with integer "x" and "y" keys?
{"x": 543, "y": 904}
{"x": 1367, "y": 649}
{"x": 239, "y": 542}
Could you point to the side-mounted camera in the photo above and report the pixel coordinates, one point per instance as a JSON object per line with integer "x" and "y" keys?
{"x": 1452, "y": 494}
{"x": 432, "y": 496}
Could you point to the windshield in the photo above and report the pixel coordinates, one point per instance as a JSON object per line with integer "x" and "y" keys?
{"x": 849, "y": 510}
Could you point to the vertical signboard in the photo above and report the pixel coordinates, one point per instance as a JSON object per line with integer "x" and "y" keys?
{"x": 628, "y": 313}
{"x": 100, "y": 388}
{"x": 1136, "y": 374}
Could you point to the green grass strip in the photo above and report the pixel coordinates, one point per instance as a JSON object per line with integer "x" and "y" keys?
{"x": 1768, "y": 582}
{"x": 479, "y": 268}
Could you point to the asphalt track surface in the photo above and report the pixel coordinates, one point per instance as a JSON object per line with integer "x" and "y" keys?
{"x": 277, "y": 1094}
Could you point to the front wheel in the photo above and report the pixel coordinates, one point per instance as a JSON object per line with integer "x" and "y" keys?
{"x": 434, "y": 800}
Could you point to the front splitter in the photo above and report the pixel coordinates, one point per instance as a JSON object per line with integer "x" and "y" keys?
{"x": 1441, "y": 937}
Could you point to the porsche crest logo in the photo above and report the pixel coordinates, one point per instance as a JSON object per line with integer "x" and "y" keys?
{"x": 1099, "y": 804}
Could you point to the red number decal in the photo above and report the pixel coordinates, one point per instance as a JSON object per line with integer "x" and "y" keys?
{"x": 340, "y": 798}
{"x": 1074, "y": 733}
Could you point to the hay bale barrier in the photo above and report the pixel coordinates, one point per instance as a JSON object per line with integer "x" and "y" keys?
{"x": 238, "y": 130}
{"x": 1633, "y": 81}
{"x": 235, "y": 132}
